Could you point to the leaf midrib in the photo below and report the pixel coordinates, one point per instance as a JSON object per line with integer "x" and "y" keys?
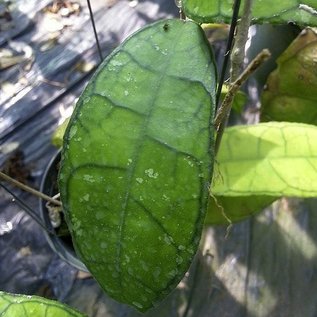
{"x": 135, "y": 157}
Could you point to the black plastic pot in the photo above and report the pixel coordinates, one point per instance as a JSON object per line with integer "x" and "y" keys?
{"x": 61, "y": 244}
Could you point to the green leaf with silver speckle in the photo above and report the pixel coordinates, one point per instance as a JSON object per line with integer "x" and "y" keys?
{"x": 13, "y": 305}
{"x": 302, "y": 12}
{"x": 137, "y": 162}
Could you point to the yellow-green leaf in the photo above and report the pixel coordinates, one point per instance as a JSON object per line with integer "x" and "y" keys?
{"x": 14, "y": 305}
{"x": 274, "y": 158}
{"x": 223, "y": 210}
{"x": 57, "y": 137}
{"x": 261, "y": 163}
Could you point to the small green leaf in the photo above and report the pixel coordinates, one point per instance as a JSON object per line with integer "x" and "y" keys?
{"x": 283, "y": 11}
{"x": 57, "y": 137}
{"x": 137, "y": 161}
{"x": 291, "y": 90}
{"x": 13, "y": 305}
{"x": 261, "y": 163}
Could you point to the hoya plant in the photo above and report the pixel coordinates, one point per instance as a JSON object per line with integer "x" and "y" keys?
{"x": 12, "y": 305}
{"x": 136, "y": 177}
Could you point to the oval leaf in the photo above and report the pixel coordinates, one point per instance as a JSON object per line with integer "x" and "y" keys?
{"x": 12, "y": 305}
{"x": 291, "y": 90}
{"x": 273, "y": 159}
{"x": 283, "y": 11}
{"x": 258, "y": 164}
{"x": 137, "y": 162}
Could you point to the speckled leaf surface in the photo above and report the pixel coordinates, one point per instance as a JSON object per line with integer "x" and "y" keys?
{"x": 137, "y": 162}
{"x": 261, "y": 163}
{"x": 12, "y": 305}
{"x": 291, "y": 90}
{"x": 283, "y": 11}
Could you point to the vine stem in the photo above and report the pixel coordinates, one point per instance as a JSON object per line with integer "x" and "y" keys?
{"x": 308, "y": 9}
{"x": 238, "y": 51}
{"x": 233, "y": 26}
{"x": 28, "y": 210}
{"x": 237, "y": 61}
{"x": 29, "y": 189}
{"x": 223, "y": 113}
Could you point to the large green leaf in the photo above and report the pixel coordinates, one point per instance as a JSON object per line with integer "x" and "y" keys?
{"x": 137, "y": 161}
{"x": 12, "y": 305}
{"x": 283, "y": 11}
{"x": 291, "y": 90}
{"x": 261, "y": 163}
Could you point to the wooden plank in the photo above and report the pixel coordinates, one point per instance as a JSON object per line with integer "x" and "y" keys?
{"x": 56, "y": 64}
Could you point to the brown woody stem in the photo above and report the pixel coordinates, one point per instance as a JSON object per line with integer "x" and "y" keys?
{"x": 223, "y": 113}
{"x": 29, "y": 189}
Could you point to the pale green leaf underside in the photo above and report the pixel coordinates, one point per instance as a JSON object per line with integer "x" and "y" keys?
{"x": 282, "y": 11}
{"x": 259, "y": 163}
{"x": 274, "y": 158}
{"x": 12, "y": 305}
{"x": 223, "y": 210}
{"x": 137, "y": 162}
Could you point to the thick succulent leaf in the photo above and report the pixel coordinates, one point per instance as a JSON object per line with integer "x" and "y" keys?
{"x": 291, "y": 89}
{"x": 263, "y": 162}
{"x": 238, "y": 103}
{"x": 274, "y": 158}
{"x": 13, "y": 305}
{"x": 223, "y": 210}
{"x": 283, "y": 11}
{"x": 137, "y": 162}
